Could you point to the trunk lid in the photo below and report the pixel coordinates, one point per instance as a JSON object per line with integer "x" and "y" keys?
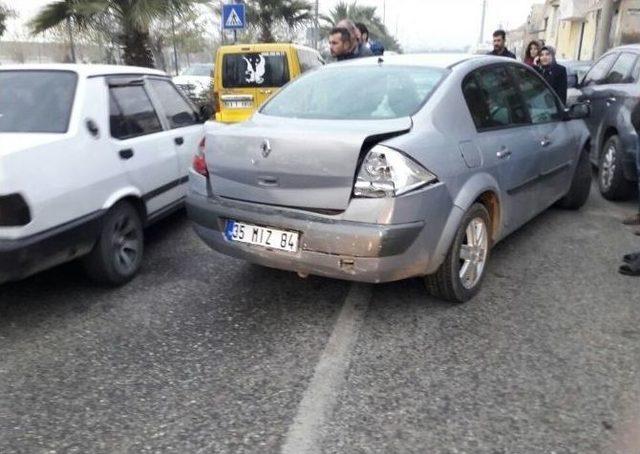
{"x": 292, "y": 162}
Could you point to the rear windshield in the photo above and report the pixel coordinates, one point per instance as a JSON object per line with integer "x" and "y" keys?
{"x": 255, "y": 69}
{"x": 356, "y": 93}
{"x": 36, "y": 101}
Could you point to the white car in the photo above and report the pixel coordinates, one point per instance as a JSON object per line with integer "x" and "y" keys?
{"x": 195, "y": 81}
{"x": 89, "y": 155}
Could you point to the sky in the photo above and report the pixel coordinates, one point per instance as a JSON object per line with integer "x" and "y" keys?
{"x": 419, "y": 24}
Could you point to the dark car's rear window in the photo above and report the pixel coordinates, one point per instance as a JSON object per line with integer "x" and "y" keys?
{"x": 36, "y": 101}
{"x": 255, "y": 69}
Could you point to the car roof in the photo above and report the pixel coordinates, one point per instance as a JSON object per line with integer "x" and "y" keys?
{"x": 635, "y": 47}
{"x": 86, "y": 70}
{"x": 261, "y": 47}
{"x": 427, "y": 60}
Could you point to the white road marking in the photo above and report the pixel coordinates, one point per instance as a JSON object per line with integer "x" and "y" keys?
{"x": 318, "y": 402}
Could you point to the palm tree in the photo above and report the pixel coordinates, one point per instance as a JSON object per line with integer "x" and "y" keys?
{"x": 132, "y": 17}
{"x": 365, "y": 14}
{"x": 5, "y": 13}
{"x": 265, "y": 15}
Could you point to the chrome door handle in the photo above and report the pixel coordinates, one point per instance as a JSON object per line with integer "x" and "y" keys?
{"x": 545, "y": 142}
{"x": 504, "y": 153}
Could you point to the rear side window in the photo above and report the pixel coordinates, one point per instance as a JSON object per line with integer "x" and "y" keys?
{"x": 598, "y": 72}
{"x": 131, "y": 113}
{"x": 36, "y": 101}
{"x": 541, "y": 101}
{"x": 493, "y": 100}
{"x": 255, "y": 69}
{"x": 620, "y": 73}
{"x": 178, "y": 112}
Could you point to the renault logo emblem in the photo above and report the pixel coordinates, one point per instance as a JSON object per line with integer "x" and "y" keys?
{"x": 266, "y": 148}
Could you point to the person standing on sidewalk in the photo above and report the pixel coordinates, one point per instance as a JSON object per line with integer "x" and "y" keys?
{"x": 553, "y": 73}
{"x": 500, "y": 45}
{"x": 632, "y": 261}
{"x": 358, "y": 49}
{"x": 635, "y": 121}
{"x": 532, "y": 53}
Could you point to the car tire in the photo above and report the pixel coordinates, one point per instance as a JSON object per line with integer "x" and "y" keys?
{"x": 580, "y": 185}
{"x": 454, "y": 281}
{"x": 611, "y": 181}
{"x": 117, "y": 255}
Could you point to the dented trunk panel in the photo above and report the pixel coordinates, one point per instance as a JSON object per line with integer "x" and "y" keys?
{"x": 307, "y": 164}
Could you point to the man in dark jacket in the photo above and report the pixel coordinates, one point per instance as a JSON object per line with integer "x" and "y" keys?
{"x": 341, "y": 44}
{"x": 553, "y": 73}
{"x": 358, "y": 49}
{"x": 500, "y": 45}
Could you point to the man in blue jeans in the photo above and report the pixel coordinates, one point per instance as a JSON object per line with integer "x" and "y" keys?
{"x": 632, "y": 261}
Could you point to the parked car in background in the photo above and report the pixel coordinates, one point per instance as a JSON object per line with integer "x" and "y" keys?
{"x": 89, "y": 156}
{"x": 196, "y": 82}
{"x": 380, "y": 170}
{"x": 576, "y": 70}
{"x": 247, "y": 75}
{"x": 612, "y": 88}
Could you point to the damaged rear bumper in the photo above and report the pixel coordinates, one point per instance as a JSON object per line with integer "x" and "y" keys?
{"x": 332, "y": 248}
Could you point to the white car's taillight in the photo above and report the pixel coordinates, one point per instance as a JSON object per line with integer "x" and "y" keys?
{"x": 389, "y": 173}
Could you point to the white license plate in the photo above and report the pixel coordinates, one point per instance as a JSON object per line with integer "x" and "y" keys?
{"x": 238, "y": 104}
{"x": 262, "y": 236}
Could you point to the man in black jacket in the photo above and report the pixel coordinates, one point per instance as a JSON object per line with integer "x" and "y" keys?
{"x": 553, "y": 73}
{"x": 500, "y": 45}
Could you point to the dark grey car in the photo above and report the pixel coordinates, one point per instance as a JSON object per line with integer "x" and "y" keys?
{"x": 378, "y": 170}
{"x": 612, "y": 88}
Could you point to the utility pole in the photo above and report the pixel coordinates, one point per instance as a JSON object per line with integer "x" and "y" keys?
{"x": 484, "y": 13}
{"x": 175, "y": 49}
{"x": 602, "y": 35}
{"x": 384, "y": 12}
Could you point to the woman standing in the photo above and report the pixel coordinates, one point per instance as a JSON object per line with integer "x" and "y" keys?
{"x": 553, "y": 73}
{"x": 531, "y": 54}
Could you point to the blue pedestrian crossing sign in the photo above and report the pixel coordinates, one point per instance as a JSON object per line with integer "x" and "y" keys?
{"x": 233, "y": 16}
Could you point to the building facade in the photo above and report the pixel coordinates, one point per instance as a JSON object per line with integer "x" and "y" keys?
{"x": 575, "y": 27}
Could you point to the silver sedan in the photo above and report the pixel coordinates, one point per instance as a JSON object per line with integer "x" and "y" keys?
{"x": 383, "y": 169}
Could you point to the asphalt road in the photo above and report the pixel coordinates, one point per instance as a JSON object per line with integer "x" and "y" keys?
{"x": 202, "y": 353}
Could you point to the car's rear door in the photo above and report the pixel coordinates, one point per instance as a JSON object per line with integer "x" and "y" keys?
{"x": 555, "y": 139}
{"x": 145, "y": 148}
{"x": 595, "y": 93}
{"x": 180, "y": 117}
{"x": 506, "y": 138}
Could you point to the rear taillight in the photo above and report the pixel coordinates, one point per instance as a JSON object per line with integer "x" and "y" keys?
{"x": 389, "y": 173}
{"x": 199, "y": 162}
{"x": 14, "y": 211}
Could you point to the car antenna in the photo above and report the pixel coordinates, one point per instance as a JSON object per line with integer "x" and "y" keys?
{"x": 380, "y": 60}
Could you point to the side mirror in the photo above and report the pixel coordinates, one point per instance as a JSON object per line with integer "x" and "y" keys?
{"x": 578, "y": 111}
{"x": 206, "y": 113}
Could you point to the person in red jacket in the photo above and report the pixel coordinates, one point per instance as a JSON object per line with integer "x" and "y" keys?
{"x": 531, "y": 54}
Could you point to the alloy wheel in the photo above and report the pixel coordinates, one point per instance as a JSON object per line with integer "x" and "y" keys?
{"x": 125, "y": 244}
{"x": 473, "y": 253}
{"x": 608, "y": 167}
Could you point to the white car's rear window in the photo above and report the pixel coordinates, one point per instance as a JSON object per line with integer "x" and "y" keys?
{"x": 36, "y": 101}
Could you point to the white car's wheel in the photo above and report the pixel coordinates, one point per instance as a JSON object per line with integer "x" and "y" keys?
{"x": 117, "y": 255}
